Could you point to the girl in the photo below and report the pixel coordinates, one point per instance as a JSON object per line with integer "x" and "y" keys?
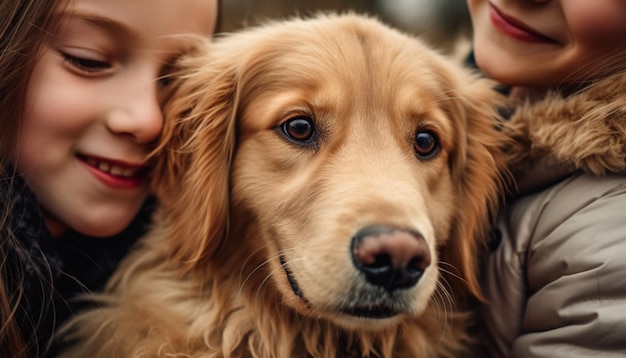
{"x": 80, "y": 84}
{"x": 555, "y": 279}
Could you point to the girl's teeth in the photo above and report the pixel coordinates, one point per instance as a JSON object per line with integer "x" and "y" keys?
{"x": 115, "y": 170}
{"x": 112, "y": 168}
{"x": 105, "y": 167}
{"x": 128, "y": 172}
{"x": 122, "y": 172}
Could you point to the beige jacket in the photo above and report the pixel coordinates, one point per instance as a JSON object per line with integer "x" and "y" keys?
{"x": 556, "y": 282}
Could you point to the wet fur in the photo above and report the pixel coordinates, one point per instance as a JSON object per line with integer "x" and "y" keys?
{"x": 236, "y": 194}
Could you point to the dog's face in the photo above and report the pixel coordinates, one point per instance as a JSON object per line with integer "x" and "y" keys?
{"x": 351, "y": 165}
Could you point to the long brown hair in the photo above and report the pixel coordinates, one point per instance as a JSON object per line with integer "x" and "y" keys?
{"x": 24, "y": 27}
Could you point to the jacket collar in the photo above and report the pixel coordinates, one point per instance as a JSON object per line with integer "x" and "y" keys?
{"x": 559, "y": 135}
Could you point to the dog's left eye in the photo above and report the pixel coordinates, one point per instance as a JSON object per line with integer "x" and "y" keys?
{"x": 299, "y": 129}
{"x": 426, "y": 144}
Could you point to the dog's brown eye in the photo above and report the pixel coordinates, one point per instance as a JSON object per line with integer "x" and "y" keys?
{"x": 299, "y": 129}
{"x": 426, "y": 144}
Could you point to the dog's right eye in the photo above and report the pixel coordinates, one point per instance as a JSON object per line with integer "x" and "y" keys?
{"x": 426, "y": 144}
{"x": 299, "y": 129}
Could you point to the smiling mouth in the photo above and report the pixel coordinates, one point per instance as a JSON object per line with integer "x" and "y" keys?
{"x": 115, "y": 169}
{"x": 516, "y": 28}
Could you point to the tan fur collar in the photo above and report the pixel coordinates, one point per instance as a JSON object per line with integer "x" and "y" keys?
{"x": 585, "y": 131}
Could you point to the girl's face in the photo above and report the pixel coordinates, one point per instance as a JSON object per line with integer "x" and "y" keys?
{"x": 549, "y": 42}
{"x": 93, "y": 110}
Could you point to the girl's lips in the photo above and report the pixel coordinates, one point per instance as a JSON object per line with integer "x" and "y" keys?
{"x": 515, "y": 28}
{"x": 114, "y": 173}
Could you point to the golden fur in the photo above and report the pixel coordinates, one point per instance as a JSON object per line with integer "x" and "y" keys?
{"x": 250, "y": 255}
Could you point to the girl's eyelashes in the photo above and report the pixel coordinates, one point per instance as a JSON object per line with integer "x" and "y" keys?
{"x": 166, "y": 75}
{"x": 168, "y": 71}
{"x": 86, "y": 65}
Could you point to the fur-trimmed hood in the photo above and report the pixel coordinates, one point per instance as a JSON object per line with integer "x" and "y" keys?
{"x": 556, "y": 267}
{"x": 585, "y": 131}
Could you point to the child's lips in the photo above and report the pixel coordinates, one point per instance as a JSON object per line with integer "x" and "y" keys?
{"x": 516, "y": 28}
{"x": 115, "y": 168}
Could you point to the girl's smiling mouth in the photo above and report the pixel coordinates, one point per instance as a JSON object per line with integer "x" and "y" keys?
{"x": 515, "y": 28}
{"x": 114, "y": 173}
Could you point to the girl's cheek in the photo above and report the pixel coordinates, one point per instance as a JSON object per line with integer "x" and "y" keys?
{"x": 600, "y": 23}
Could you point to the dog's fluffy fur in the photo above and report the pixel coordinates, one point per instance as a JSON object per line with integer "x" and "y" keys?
{"x": 281, "y": 143}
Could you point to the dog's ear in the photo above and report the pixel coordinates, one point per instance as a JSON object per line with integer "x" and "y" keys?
{"x": 191, "y": 174}
{"x": 479, "y": 167}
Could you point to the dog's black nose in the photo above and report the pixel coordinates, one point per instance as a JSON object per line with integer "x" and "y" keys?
{"x": 390, "y": 258}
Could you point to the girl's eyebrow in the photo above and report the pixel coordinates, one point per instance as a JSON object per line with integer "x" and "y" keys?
{"x": 102, "y": 22}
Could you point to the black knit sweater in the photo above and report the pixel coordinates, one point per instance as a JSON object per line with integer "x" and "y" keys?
{"x": 46, "y": 274}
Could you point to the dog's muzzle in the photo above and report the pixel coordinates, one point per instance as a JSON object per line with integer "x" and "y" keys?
{"x": 391, "y": 260}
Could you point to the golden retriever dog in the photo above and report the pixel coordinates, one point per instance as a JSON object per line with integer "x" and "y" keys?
{"x": 325, "y": 185}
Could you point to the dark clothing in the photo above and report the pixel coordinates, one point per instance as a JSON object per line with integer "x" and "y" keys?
{"x": 49, "y": 273}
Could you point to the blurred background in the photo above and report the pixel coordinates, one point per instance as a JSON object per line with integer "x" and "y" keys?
{"x": 439, "y": 22}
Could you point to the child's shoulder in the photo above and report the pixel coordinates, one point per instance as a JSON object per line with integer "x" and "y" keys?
{"x": 577, "y": 218}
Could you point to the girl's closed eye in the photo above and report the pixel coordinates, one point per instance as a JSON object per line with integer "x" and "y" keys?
{"x": 166, "y": 76}
{"x": 168, "y": 71}
{"x": 85, "y": 64}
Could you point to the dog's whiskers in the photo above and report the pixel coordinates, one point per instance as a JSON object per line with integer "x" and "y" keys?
{"x": 245, "y": 263}
{"x": 267, "y": 277}
{"x": 450, "y": 272}
{"x": 443, "y": 295}
{"x": 258, "y": 291}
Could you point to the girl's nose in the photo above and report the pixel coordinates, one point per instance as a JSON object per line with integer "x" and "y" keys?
{"x": 138, "y": 114}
